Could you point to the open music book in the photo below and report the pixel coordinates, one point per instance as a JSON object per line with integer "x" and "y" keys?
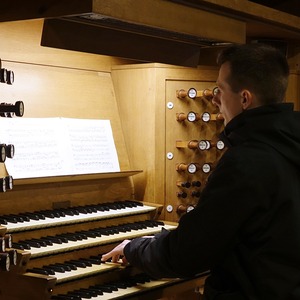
{"x": 58, "y": 146}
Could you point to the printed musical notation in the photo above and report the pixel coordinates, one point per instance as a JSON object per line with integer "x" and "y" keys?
{"x": 59, "y": 146}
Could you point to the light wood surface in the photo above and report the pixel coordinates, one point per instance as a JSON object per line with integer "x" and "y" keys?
{"x": 22, "y": 45}
{"x": 143, "y": 93}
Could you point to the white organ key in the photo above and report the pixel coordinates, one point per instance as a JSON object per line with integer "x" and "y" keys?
{"x": 83, "y": 272}
{"x": 120, "y": 289}
{"x": 91, "y": 242}
{"x": 132, "y": 290}
{"x": 51, "y": 222}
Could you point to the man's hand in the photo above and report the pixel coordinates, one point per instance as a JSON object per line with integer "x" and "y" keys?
{"x": 116, "y": 253}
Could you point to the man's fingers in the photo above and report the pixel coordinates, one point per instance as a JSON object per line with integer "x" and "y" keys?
{"x": 106, "y": 256}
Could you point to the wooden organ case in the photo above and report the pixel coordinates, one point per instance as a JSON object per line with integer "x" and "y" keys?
{"x": 61, "y": 225}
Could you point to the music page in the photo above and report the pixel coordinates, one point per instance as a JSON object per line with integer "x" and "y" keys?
{"x": 58, "y": 146}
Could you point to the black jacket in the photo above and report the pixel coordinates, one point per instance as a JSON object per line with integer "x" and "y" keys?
{"x": 246, "y": 227}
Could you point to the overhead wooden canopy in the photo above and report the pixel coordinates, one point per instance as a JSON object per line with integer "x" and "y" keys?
{"x": 167, "y": 31}
{"x": 144, "y": 30}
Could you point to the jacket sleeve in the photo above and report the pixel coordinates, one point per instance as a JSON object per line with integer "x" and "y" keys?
{"x": 207, "y": 233}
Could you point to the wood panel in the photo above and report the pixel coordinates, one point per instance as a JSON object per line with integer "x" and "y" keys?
{"x": 142, "y": 99}
{"x": 57, "y": 83}
{"x": 21, "y": 40}
{"x": 260, "y": 20}
{"x": 49, "y": 91}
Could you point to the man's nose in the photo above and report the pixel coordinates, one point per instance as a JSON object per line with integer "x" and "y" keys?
{"x": 215, "y": 100}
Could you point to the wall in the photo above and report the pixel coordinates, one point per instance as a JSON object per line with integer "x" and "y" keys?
{"x": 58, "y": 83}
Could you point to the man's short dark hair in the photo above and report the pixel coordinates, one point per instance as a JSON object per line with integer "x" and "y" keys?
{"x": 258, "y": 67}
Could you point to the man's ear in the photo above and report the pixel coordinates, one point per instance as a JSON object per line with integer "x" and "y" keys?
{"x": 247, "y": 99}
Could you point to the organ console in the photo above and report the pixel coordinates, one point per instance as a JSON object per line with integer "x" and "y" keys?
{"x": 65, "y": 245}
{"x": 60, "y": 226}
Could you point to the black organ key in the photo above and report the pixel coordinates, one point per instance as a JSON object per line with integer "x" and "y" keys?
{"x": 70, "y": 212}
{"x": 48, "y": 214}
{"x": 14, "y": 218}
{"x": 86, "y": 262}
{"x": 81, "y": 235}
{"x": 49, "y": 270}
{"x": 52, "y": 213}
{"x": 66, "y": 267}
{"x": 47, "y": 241}
{"x": 70, "y": 236}
{"x": 62, "y": 238}
{"x": 95, "y": 260}
{"x": 58, "y": 213}
{"x": 39, "y": 271}
{"x": 29, "y": 216}
{"x": 127, "y": 228}
{"x": 3, "y": 220}
{"x": 95, "y": 233}
{"x": 18, "y": 246}
{"x": 70, "y": 265}
{"x": 104, "y": 288}
{"x": 121, "y": 285}
{"x": 82, "y": 294}
{"x": 54, "y": 239}
{"x": 40, "y": 242}
{"x": 90, "y": 292}
{"x": 33, "y": 243}
{"x": 100, "y": 208}
{"x": 85, "y": 210}
{"x": 102, "y": 231}
{"x": 76, "y": 236}
{"x": 91, "y": 234}
{"x": 55, "y": 268}
{"x": 99, "y": 292}
{"x": 77, "y": 263}
{"x": 117, "y": 205}
{"x": 25, "y": 245}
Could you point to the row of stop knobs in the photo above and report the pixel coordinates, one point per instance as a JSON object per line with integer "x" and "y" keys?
{"x": 8, "y": 110}
{"x": 192, "y": 188}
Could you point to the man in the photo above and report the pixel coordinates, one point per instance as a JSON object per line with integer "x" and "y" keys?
{"x": 246, "y": 227}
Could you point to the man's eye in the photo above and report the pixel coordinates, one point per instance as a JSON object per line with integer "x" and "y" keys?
{"x": 216, "y": 91}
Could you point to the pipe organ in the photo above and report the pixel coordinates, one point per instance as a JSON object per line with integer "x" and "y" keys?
{"x": 54, "y": 229}
{"x": 61, "y": 225}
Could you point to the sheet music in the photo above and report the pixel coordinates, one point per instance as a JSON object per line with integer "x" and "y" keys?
{"x": 58, "y": 146}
